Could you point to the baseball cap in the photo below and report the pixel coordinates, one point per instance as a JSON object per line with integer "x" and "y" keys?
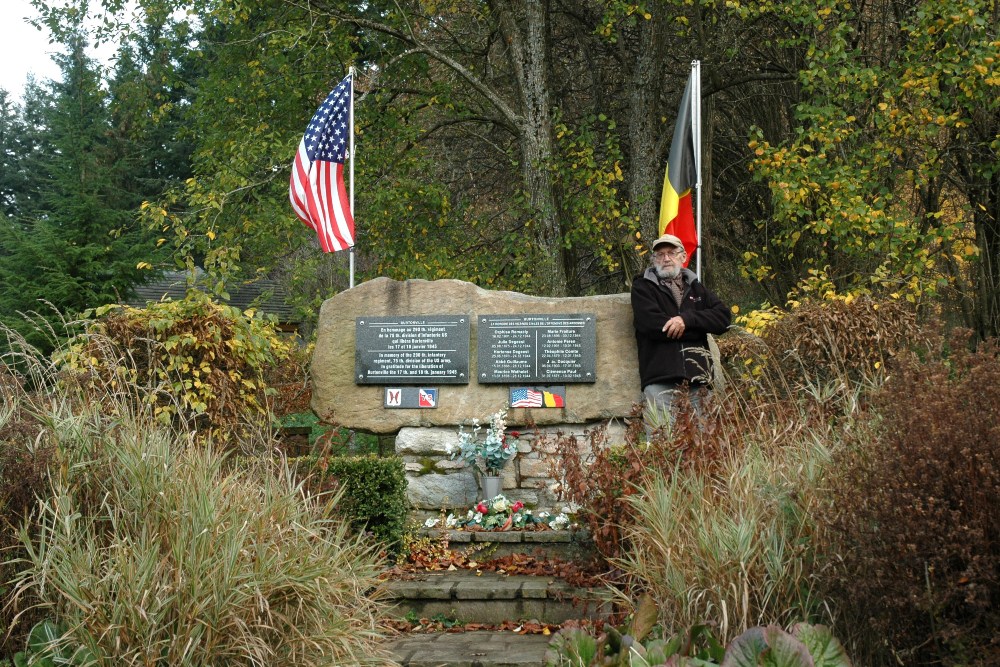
{"x": 667, "y": 239}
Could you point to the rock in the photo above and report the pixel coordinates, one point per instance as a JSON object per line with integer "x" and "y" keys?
{"x": 432, "y": 492}
{"x": 338, "y": 400}
{"x": 534, "y": 467}
{"x": 427, "y": 441}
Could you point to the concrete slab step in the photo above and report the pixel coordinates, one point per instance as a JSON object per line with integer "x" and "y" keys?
{"x": 470, "y": 649}
{"x": 488, "y": 597}
{"x": 565, "y": 544}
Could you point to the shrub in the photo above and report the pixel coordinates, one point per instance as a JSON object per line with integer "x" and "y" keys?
{"x": 291, "y": 381}
{"x": 843, "y": 339}
{"x": 917, "y": 513}
{"x": 199, "y": 363}
{"x": 374, "y": 491}
{"x": 601, "y": 477}
{"x": 150, "y": 550}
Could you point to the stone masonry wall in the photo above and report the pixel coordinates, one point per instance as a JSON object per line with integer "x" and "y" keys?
{"x": 437, "y": 482}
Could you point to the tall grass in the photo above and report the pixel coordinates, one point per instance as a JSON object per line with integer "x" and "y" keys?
{"x": 147, "y": 549}
{"x": 733, "y": 549}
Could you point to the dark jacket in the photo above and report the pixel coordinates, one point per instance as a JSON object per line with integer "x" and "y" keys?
{"x": 669, "y": 360}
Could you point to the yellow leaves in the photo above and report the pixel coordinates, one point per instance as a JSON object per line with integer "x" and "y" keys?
{"x": 144, "y": 266}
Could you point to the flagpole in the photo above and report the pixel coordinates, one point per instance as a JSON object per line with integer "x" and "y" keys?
{"x": 696, "y": 135}
{"x": 350, "y": 133}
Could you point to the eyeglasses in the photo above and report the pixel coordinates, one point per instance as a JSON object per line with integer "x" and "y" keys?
{"x": 671, "y": 254}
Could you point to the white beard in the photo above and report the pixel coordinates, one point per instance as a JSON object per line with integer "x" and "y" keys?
{"x": 667, "y": 272}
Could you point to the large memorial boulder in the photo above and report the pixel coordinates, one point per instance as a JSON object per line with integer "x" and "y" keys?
{"x": 339, "y": 400}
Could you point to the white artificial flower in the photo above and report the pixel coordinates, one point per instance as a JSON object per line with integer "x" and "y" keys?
{"x": 501, "y": 504}
{"x": 451, "y": 521}
{"x": 430, "y": 523}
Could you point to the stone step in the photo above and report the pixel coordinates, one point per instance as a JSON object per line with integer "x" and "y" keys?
{"x": 470, "y": 649}
{"x": 567, "y": 545}
{"x": 487, "y": 597}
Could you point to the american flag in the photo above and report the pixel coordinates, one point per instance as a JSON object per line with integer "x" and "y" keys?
{"x": 317, "y": 189}
{"x": 522, "y": 397}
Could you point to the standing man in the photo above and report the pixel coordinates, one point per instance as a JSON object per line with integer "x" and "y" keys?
{"x": 673, "y": 314}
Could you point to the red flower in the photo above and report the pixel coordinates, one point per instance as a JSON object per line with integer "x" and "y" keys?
{"x": 515, "y": 434}
{"x": 516, "y": 507}
{"x": 482, "y": 508}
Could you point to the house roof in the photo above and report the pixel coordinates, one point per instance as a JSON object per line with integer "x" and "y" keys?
{"x": 173, "y": 285}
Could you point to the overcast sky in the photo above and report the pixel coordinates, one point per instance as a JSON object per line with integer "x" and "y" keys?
{"x": 23, "y": 49}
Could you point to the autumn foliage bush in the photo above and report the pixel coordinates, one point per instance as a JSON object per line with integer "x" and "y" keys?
{"x": 600, "y": 476}
{"x": 917, "y": 513}
{"x": 844, "y": 339}
{"x": 202, "y": 364}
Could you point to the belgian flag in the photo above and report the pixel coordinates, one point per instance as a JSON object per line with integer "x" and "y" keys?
{"x": 676, "y": 211}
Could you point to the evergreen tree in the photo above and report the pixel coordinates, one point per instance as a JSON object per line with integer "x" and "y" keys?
{"x": 77, "y": 245}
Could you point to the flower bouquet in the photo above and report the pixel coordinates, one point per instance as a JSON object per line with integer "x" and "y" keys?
{"x": 499, "y": 513}
{"x": 491, "y": 453}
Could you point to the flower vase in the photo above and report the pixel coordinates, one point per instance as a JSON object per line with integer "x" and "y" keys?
{"x": 491, "y": 486}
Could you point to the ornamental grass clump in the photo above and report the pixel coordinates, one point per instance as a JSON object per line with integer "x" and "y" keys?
{"x": 151, "y": 551}
{"x": 737, "y": 547}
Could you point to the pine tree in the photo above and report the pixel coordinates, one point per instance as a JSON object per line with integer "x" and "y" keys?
{"x": 76, "y": 243}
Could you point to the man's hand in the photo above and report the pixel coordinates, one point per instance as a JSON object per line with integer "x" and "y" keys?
{"x": 674, "y": 328}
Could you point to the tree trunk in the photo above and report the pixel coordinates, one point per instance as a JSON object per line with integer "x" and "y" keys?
{"x": 988, "y": 239}
{"x": 647, "y": 165}
{"x": 526, "y": 34}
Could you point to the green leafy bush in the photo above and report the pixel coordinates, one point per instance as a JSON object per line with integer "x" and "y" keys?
{"x": 374, "y": 490}
{"x": 917, "y": 514}
{"x": 46, "y": 649}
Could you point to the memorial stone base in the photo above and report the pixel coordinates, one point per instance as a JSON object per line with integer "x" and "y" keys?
{"x": 436, "y": 482}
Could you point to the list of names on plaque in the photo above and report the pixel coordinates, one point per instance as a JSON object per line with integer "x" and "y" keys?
{"x": 412, "y": 350}
{"x": 547, "y": 349}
